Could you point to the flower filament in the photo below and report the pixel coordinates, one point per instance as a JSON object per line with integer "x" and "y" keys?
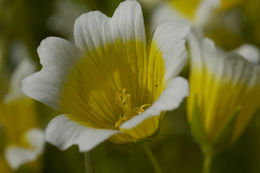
{"x": 123, "y": 100}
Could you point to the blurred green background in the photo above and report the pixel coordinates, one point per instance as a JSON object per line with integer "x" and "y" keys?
{"x": 27, "y": 22}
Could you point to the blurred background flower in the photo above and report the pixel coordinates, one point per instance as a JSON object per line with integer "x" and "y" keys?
{"x": 23, "y": 140}
{"x": 229, "y": 23}
{"x": 224, "y": 94}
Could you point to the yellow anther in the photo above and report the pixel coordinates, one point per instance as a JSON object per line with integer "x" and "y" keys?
{"x": 139, "y": 110}
{"x": 123, "y": 100}
{"x": 120, "y": 121}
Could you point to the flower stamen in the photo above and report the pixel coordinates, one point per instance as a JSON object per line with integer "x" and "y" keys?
{"x": 123, "y": 100}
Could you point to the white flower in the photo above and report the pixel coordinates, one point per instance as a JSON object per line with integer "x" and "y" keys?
{"x": 225, "y": 88}
{"x": 17, "y": 154}
{"x": 25, "y": 141}
{"x": 112, "y": 84}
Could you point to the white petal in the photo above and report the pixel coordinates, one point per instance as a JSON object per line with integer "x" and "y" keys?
{"x": 177, "y": 89}
{"x": 17, "y": 156}
{"x": 194, "y": 44}
{"x": 63, "y": 132}
{"x": 226, "y": 66}
{"x": 57, "y": 56}
{"x": 170, "y": 39}
{"x": 205, "y": 11}
{"x": 249, "y": 52}
{"x": 213, "y": 58}
{"x": 128, "y": 21}
{"x": 164, "y": 13}
{"x": 24, "y": 69}
{"x": 35, "y": 138}
{"x": 203, "y": 52}
{"x": 94, "y": 29}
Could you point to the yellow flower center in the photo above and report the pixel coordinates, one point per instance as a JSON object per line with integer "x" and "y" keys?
{"x": 17, "y": 117}
{"x": 123, "y": 100}
{"x": 113, "y": 83}
{"x": 186, "y": 7}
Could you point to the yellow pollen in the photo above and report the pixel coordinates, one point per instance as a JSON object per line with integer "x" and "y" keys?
{"x": 123, "y": 100}
{"x": 120, "y": 121}
{"x": 139, "y": 110}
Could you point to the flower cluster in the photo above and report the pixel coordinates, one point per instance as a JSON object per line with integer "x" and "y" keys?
{"x": 112, "y": 83}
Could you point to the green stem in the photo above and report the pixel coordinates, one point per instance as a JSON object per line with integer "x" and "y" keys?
{"x": 89, "y": 164}
{"x": 152, "y": 158}
{"x": 208, "y": 158}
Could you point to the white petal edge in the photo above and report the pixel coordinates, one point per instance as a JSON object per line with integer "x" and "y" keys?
{"x": 176, "y": 90}
{"x": 204, "y": 11}
{"x": 64, "y": 132}
{"x": 164, "y": 13}
{"x": 17, "y": 156}
{"x": 170, "y": 39}
{"x": 128, "y": 21}
{"x": 57, "y": 56}
{"x": 226, "y": 66}
{"x": 249, "y": 52}
{"x": 214, "y": 59}
{"x": 91, "y": 30}
{"x": 36, "y": 139}
{"x": 24, "y": 69}
{"x": 204, "y": 53}
{"x": 194, "y": 45}
{"x": 94, "y": 29}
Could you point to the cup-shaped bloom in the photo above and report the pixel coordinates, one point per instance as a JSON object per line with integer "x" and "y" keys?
{"x": 112, "y": 84}
{"x": 18, "y": 120}
{"x": 224, "y": 91}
